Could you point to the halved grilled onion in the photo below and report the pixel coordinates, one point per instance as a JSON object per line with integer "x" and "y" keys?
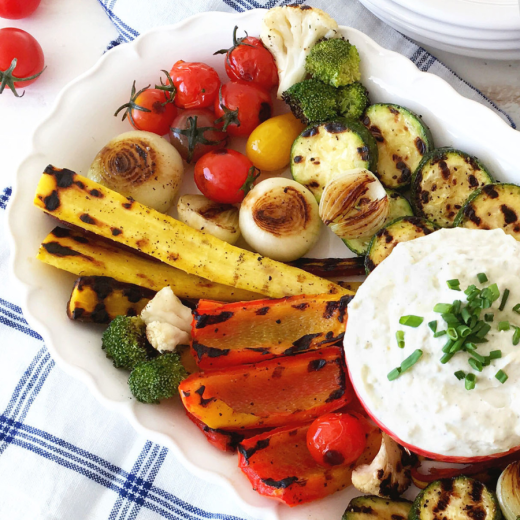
{"x": 508, "y": 491}
{"x": 219, "y": 220}
{"x": 354, "y": 205}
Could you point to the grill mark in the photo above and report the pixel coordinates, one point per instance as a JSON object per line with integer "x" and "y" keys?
{"x": 509, "y": 215}
{"x": 469, "y": 212}
{"x": 284, "y": 483}
{"x": 445, "y": 171}
{"x": 210, "y": 352}
{"x": 85, "y": 217}
{"x": 420, "y": 145}
{"x": 302, "y": 344}
{"x": 477, "y": 489}
{"x": 490, "y": 191}
{"x": 339, "y": 306}
{"x": 52, "y": 201}
{"x": 203, "y": 401}
{"x": 203, "y": 320}
{"x": 315, "y": 365}
{"x": 262, "y": 311}
{"x": 247, "y": 453}
{"x": 56, "y": 249}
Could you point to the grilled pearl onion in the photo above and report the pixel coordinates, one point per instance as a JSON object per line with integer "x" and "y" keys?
{"x": 219, "y": 220}
{"x": 140, "y": 165}
{"x": 354, "y": 205}
{"x": 279, "y": 219}
{"x": 508, "y": 491}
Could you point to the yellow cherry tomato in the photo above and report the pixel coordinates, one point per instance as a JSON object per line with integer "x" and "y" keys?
{"x": 269, "y": 145}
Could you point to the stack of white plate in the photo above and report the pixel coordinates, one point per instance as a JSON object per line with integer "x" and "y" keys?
{"x": 479, "y": 28}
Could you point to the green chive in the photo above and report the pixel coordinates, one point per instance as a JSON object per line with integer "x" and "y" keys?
{"x": 433, "y": 326}
{"x": 473, "y": 338}
{"x": 454, "y": 284}
{"x": 503, "y": 325}
{"x": 516, "y": 336}
{"x": 457, "y": 345}
{"x": 516, "y": 308}
{"x": 448, "y": 346}
{"x": 399, "y": 336}
{"x": 439, "y": 333}
{"x": 473, "y": 321}
{"x": 484, "y": 329}
{"x": 501, "y": 376}
{"x": 470, "y": 346}
{"x": 456, "y": 307}
{"x": 410, "y": 361}
{"x": 463, "y": 331}
{"x": 442, "y": 308}
{"x": 477, "y": 356}
{"x": 482, "y": 278}
{"x": 472, "y": 288}
{"x": 487, "y": 362}
{"x": 394, "y": 374}
{"x": 495, "y": 354}
{"x": 470, "y": 381}
{"x": 476, "y": 365}
{"x": 446, "y": 358}
{"x": 504, "y": 300}
{"x": 411, "y": 321}
{"x": 489, "y": 317}
{"x": 450, "y": 318}
{"x": 485, "y": 303}
{"x": 466, "y": 315}
{"x": 495, "y": 293}
{"x": 452, "y": 333}
{"x": 460, "y": 375}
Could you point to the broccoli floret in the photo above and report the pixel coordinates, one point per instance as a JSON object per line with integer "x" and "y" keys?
{"x": 157, "y": 379}
{"x": 334, "y": 61}
{"x": 312, "y": 101}
{"x": 124, "y": 341}
{"x": 352, "y": 100}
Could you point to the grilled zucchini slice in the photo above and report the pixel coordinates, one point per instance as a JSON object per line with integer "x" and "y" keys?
{"x": 459, "y": 498}
{"x": 443, "y": 182}
{"x": 399, "y": 207}
{"x": 402, "y": 140}
{"x": 323, "y": 152}
{"x": 491, "y": 207}
{"x": 400, "y": 230}
{"x": 372, "y": 507}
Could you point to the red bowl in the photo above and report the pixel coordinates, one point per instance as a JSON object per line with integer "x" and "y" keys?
{"x": 419, "y": 451}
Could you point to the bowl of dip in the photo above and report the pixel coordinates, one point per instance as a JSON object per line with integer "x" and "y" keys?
{"x": 427, "y": 407}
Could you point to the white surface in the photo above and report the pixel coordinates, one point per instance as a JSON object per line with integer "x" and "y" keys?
{"x": 389, "y": 76}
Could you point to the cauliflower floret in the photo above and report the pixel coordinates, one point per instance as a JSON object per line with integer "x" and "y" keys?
{"x": 290, "y": 32}
{"x": 168, "y": 321}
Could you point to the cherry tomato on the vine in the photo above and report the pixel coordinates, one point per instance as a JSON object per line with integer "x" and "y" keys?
{"x": 150, "y": 110}
{"x": 194, "y": 133}
{"x": 248, "y": 60}
{"x": 225, "y": 176}
{"x": 335, "y": 439}
{"x": 21, "y": 59}
{"x": 242, "y": 107}
{"x": 196, "y": 84}
{"x": 16, "y": 9}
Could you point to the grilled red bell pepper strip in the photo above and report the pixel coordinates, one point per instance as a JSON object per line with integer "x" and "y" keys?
{"x": 249, "y": 332}
{"x": 279, "y": 465}
{"x": 288, "y": 390}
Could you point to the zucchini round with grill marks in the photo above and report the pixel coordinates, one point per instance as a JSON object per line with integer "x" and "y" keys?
{"x": 493, "y": 206}
{"x": 402, "y": 140}
{"x": 325, "y": 151}
{"x": 399, "y": 207}
{"x": 443, "y": 182}
{"x": 459, "y": 498}
{"x": 372, "y": 507}
{"x": 400, "y": 230}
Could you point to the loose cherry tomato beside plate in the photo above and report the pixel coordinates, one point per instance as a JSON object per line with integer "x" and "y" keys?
{"x": 17, "y": 9}
{"x": 225, "y": 176}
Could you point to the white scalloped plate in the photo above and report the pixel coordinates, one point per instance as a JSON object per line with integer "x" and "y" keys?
{"x": 82, "y": 121}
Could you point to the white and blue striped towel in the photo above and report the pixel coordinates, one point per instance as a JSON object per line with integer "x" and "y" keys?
{"x": 54, "y": 466}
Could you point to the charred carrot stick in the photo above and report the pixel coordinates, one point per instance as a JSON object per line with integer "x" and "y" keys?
{"x": 226, "y": 335}
{"x": 279, "y": 465}
{"x": 288, "y": 390}
{"x": 331, "y": 267}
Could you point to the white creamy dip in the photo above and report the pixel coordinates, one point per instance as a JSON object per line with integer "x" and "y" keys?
{"x": 427, "y": 406}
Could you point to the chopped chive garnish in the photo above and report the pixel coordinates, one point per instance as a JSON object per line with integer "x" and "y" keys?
{"x": 470, "y": 381}
{"x": 501, "y": 376}
{"x": 476, "y": 365}
{"x": 473, "y": 321}
{"x": 411, "y": 321}
{"x": 472, "y": 288}
{"x": 399, "y": 336}
{"x": 495, "y": 354}
{"x": 457, "y": 346}
{"x": 463, "y": 331}
{"x": 448, "y": 346}
{"x": 489, "y": 316}
{"x": 503, "y": 325}
{"x": 475, "y": 339}
{"x": 442, "y": 307}
{"x": 466, "y": 315}
{"x": 470, "y": 346}
{"x": 477, "y": 356}
{"x": 439, "y": 333}
{"x": 455, "y": 309}
{"x": 495, "y": 293}
{"x": 446, "y": 358}
{"x": 394, "y": 374}
{"x": 504, "y": 300}
{"x": 450, "y": 318}
{"x": 516, "y": 308}
{"x": 482, "y": 278}
{"x": 487, "y": 362}
{"x": 410, "y": 361}
{"x": 452, "y": 333}
{"x": 433, "y": 326}
{"x": 485, "y": 303}
{"x": 460, "y": 375}
{"x": 516, "y": 336}
{"x": 483, "y": 330}
{"x": 454, "y": 284}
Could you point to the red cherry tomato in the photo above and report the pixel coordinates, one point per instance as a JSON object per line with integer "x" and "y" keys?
{"x": 16, "y": 9}
{"x": 248, "y": 60}
{"x": 150, "y": 110}
{"x": 194, "y": 133}
{"x": 21, "y": 59}
{"x": 225, "y": 176}
{"x": 242, "y": 107}
{"x": 196, "y": 83}
{"x": 335, "y": 439}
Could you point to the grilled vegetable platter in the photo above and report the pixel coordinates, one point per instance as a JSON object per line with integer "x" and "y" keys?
{"x": 208, "y": 297}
